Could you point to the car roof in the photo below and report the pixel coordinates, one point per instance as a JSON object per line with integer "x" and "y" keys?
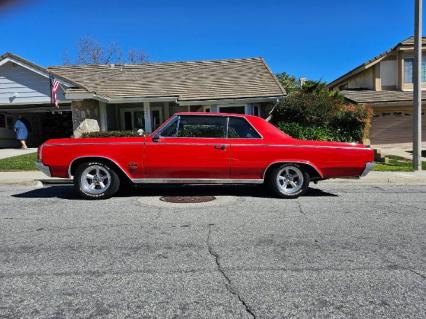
{"x": 211, "y": 114}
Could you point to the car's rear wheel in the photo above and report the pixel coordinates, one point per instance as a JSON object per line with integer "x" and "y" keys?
{"x": 96, "y": 180}
{"x": 288, "y": 180}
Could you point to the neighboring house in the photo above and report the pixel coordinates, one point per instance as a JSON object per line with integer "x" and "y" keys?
{"x": 25, "y": 91}
{"x": 128, "y": 97}
{"x": 386, "y": 84}
{"x": 134, "y": 96}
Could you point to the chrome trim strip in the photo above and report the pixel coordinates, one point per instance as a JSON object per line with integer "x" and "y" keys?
{"x": 94, "y": 143}
{"x": 195, "y": 181}
{"x": 368, "y": 167}
{"x": 229, "y": 139}
{"x": 43, "y": 168}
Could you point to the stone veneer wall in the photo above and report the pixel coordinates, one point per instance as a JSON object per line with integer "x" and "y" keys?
{"x": 86, "y": 109}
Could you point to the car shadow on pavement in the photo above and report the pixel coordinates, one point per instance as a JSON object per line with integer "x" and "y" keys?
{"x": 68, "y": 192}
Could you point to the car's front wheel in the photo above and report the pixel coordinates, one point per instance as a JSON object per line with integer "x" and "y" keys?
{"x": 288, "y": 180}
{"x": 96, "y": 180}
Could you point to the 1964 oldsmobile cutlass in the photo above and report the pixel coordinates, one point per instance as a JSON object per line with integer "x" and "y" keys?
{"x": 203, "y": 148}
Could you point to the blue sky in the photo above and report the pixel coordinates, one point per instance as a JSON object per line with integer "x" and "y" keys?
{"x": 316, "y": 39}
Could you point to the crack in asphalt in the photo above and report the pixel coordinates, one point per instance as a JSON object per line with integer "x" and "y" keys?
{"x": 300, "y": 208}
{"x": 228, "y": 282}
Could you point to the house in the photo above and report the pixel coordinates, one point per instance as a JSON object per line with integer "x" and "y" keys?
{"x": 128, "y": 97}
{"x": 25, "y": 91}
{"x": 386, "y": 84}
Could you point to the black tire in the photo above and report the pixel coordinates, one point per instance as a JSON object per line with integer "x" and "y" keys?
{"x": 274, "y": 184}
{"x": 82, "y": 186}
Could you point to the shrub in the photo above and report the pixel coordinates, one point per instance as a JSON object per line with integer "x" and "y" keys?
{"x": 309, "y": 132}
{"x": 315, "y": 113}
{"x": 111, "y": 134}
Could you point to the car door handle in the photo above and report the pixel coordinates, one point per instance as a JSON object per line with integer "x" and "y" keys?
{"x": 220, "y": 147}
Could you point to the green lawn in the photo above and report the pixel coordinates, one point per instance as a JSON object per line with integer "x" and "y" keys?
{"x": 396, "y": 164}
{"x": 24, "y": 162}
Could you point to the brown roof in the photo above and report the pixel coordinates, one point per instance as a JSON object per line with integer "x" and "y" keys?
{"x": 199, "y": 80}
{"x": 403, "y": 45}
{"x": 371, "y": 97}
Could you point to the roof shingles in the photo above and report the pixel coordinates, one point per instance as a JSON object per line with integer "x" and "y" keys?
{"x": 200, "y": 80}
{"x": 370, "y": 96}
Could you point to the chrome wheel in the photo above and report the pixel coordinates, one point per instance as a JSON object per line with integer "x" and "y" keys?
{"x": 289, "y": 180}
{"x": 95, "y": 179}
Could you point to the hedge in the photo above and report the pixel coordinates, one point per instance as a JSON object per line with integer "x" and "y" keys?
{"x": 111, "y": 134}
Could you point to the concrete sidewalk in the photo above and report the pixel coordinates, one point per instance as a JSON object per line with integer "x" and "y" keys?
{"x": 27, "y": 178}
{"x": 397, "y": 178}
{"x": 10, "y": 152}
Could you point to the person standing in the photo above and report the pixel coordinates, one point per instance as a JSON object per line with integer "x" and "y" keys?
{"x": 21, "y": 131}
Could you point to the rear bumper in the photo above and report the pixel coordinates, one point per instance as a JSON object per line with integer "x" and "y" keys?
{"x": 45, "y": 169}
{"x": 368, "y": 167}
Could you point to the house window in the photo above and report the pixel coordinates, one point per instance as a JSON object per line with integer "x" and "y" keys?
{"x": 232, "y": 109}
{"x": 408, "y": 70}
{"x": 2, "y": 121}
{"x": 256, "y": 110}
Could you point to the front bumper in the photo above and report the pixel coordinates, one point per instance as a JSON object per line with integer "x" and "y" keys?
{"x": 368, "y": 167}
{"x": 45, "y": 169}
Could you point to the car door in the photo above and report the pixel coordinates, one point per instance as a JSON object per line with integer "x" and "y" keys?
{"x": 247, "y": 150}
{"x": 189, "y": 147}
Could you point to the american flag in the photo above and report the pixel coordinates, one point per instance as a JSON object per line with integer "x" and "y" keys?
{"x": 54, "y": 86}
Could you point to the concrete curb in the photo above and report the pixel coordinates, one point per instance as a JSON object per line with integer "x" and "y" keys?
{"x": 395, "y": 178}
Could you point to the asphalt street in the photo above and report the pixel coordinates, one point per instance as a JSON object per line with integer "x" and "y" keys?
{"x": 341, "y": 251}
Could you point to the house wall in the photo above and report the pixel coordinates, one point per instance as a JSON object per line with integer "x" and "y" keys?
{"x": 389, "y": 74}
{"x": 364, "y": 80}
{"x": 19, "y": 85}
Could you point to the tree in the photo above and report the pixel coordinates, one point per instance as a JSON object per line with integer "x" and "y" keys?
{"x": 288, "y": 82}
{"x": 91, "y": 51}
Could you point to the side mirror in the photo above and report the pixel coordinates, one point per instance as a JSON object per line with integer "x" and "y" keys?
{"x": 156, "y": 138}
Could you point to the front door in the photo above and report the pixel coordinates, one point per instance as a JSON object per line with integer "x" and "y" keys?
{"x": 189, "y": 147}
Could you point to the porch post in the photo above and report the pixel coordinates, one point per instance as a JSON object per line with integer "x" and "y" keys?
{"x": 103, "y": 116}
{"x": 248, "y": 109}
{"x": 166, "y": 110}
{"x": 147, "y": 115}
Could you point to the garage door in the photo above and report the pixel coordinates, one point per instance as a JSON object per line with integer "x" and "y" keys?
{"x": 392, "y": 129}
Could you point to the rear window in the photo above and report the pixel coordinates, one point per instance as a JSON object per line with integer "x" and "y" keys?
{"x": 240, "y": 128}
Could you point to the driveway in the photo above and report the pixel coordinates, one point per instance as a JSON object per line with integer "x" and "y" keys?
{"x": 342, "y": 251}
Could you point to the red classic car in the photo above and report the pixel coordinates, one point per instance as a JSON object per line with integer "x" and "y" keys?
{"x": 203, "y": 148}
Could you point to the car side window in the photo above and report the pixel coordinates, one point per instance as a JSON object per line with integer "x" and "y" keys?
{"x": 240, "y": 128}
{"x": 202, "y": 126}
{"x": 171, "y": 129}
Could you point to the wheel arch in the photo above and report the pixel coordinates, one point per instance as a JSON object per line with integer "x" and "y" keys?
{"x": 75, "y": 163}
{"x": 311, "y": 169}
